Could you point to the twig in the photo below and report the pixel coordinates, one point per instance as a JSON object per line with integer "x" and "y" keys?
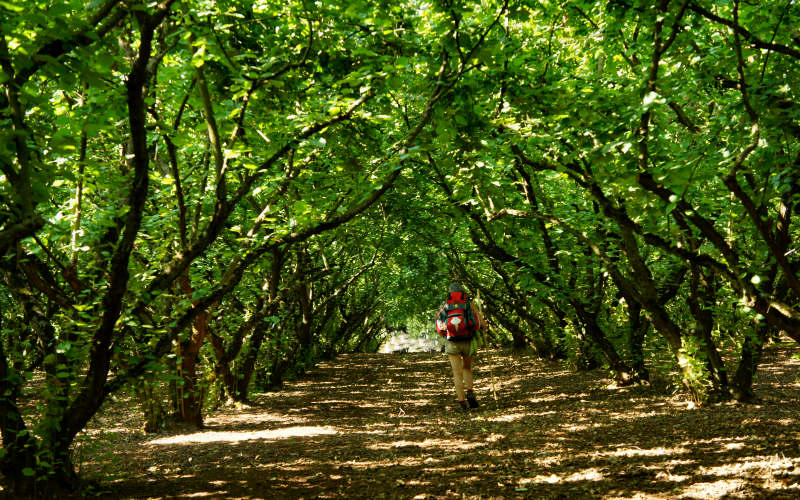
{"x": 488, "y": 357}
{"x": 491, "y": 374}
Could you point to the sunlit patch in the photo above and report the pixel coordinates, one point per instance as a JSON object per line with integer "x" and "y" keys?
{"x": 511, "y": 417}
{"x": 753, "y": 464}
{"x": 540, "y": 479}
{"x": 591, "y": 474}
{"x": 717, "y": 489}
{"x": 415, "y": 482}
{"x": 540, "y": 414}
{"x": 250, "y": 418}
{"x": 204, "y": 494}
{"x": 493, "y": 438}
{"x": 511, "y": 380}
{"x": 428, "y": 443}
{"x": 734, "y": 446}
{"x": 670, "y": 477}
{"x": 390, "y": 463}
{"x": 343, "y": 402}
{"x": 290, "y": 394}
{"x": 380, "y": 405}
{"x": 574, "y": 428}
{"x": 723, "y": 441}
{"x": 650, "y": 452}
{"x": 232, "y": 437}
{"x": 106, "y": 431}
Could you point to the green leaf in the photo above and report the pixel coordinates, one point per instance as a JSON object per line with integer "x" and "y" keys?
{"x": 28, "y": 472}
{"x": 12, "y": 7}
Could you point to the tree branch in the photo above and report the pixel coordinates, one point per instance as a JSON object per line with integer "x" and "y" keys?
{"x": 59, "y": 47}
{"x": 756, "y": 42}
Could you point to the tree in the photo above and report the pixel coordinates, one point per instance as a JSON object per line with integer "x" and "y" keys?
{"x": 195, "y": 189}
{"x": 209, "y": 144}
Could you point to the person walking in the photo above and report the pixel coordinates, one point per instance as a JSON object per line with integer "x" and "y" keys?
{"x": 459, "y": 321}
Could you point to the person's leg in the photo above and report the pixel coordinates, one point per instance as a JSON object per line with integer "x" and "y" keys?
{"x": 466, "y": 370}
{"x": 467, "y": 376}
{"x": 458, "y": 375}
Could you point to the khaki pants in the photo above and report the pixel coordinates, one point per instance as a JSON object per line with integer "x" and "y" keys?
{"x": 457, "y": 347}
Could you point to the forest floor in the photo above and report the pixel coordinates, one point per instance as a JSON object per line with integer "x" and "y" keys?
{"x": 384, "y": 426}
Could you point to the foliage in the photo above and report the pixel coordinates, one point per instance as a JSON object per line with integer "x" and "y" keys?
{"x": 218, "y": 195}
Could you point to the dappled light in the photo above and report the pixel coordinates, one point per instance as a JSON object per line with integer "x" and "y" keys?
{"x": 549, "y": 433}
{"x": 444, "y": 444}
{"x": 653, "y": 452}
{"x": 235, "y": 437}
{"x": 236, "y": 238}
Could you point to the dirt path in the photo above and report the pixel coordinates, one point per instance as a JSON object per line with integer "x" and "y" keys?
{"x": 382, "y": 426}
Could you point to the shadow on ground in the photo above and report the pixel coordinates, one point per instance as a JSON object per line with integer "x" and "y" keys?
{"x": 383, "y": 426}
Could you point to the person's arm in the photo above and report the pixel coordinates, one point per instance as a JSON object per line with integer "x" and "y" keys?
{"x": 441, "y": 332}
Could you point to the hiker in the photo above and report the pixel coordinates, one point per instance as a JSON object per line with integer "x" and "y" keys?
{"x": 459, "y": 321}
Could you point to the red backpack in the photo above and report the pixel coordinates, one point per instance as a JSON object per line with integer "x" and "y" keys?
{"x": 456, "y": 321}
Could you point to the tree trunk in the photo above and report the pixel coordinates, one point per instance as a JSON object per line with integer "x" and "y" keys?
{"x": 245, "y": 373}
{"x": 369, "y": 334}
{"x": 742, "y": 387}
{"x": 699, "y": 302}
{"x": 542, "y": 343}
{"x": 154, "y": 414}
{"x": 644, "y": 291}
{"x": 222, "y": 368}
{"x": 23, "y": 473}
{"x": 277, "y": 371}
{"x": 191, "y": 400}
{"x": 623, "y": 374}
{"x": 637, "y": 334}
{"x": 750, "y": 357}
{"x": 248, "y": 364}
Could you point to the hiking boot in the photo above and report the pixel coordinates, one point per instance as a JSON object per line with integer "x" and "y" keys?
{"x": 462, "y": 407}
{"x": 473, "y": 403}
